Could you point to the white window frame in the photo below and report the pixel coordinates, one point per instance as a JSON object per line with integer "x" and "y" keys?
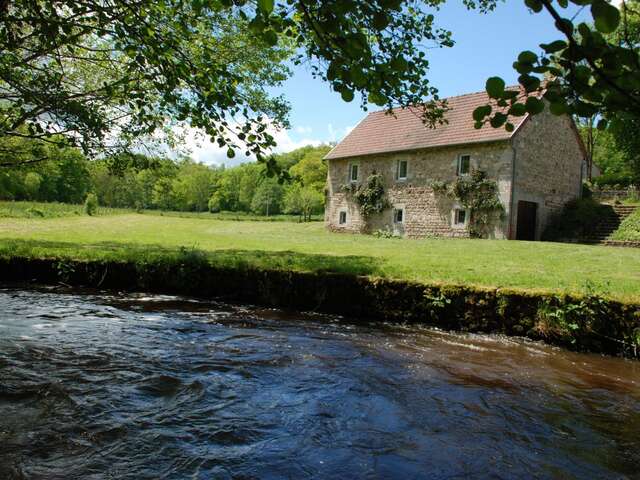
{"x": 454, "y": 217}
{"x": 406, "y": 173}
{"x": 340, "y": 213}
{"x": 395, "y": 213}
{"x": 459, "y": 165}
{"x": 350, "y": 172}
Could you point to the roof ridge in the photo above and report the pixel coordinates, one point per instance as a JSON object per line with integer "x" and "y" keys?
{"x": 384, "y": 110}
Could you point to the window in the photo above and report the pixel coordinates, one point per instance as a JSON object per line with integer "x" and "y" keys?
{"x": 464, "y": 165}
{"x": 459, "y": 217}
{"x": 353, "y": 172}
{"x": 343, "y": 218}
{"x": 398, "y": 215}
{"x": 401, "y": 170}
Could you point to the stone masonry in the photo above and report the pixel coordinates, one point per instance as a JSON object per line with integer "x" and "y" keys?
{"x": 425, "y": 213}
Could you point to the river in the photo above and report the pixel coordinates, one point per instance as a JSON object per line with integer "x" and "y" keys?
{"x": 97, "y": 386}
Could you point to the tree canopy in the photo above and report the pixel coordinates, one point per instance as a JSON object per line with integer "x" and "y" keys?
{"x": 105, "y": 74}
{"x": 593, "y": 69}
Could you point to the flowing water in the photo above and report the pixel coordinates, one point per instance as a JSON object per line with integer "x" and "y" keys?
{"x": 95, "y": 386}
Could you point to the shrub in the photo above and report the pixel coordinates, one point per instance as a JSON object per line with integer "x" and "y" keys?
{"x": 386, "y": 233}
{"x": 35, "y": 212}
{"x": 91, "y": 204}
{"x": 371, "y": 197}
{"x": 629, "y": 229}
{"x": 617, "y": 180}
{"x": 577, "y": 217}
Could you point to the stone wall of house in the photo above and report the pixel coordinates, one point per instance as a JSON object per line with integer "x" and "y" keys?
{"x": 548, "y": 166}
{"x": 425, "y": 213}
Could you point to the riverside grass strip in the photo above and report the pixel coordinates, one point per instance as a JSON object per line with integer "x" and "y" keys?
{"x": 308, "y": 247}
{"x": 584, "y": 323}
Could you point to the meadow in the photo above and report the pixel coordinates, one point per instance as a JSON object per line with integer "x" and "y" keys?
{"x": 288, "y": 245}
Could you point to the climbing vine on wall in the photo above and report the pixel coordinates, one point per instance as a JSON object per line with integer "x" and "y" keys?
{"x": 479, "y": 195}
{"x": 370, "y": 196}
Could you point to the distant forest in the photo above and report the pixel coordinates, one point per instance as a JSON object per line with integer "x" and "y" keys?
{"x": 143, "y": 182}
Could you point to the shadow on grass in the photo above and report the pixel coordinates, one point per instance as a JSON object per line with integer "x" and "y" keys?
{"x": 230, "y": 258}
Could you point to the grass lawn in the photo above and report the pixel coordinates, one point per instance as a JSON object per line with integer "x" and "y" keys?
{"x": 613, "y": 272}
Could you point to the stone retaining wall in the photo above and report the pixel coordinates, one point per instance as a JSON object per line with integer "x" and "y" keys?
{"x": 622, "y": 243}
{"x": 590, "y": 323}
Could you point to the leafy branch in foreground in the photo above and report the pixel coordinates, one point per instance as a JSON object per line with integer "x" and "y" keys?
{"x": 104, "y": 74}
{"x": 594, "y": 69}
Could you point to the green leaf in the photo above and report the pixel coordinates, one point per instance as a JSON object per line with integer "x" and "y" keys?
{"x": 517, "y": 110}
{"x": 481, "y": 112}
{"x": 380, "y": 21}
{"x": 346, "y": 94}
{"x": 498, "y": 120}
{"x": 558, "y": 108}
{"x": 529, "y": 82}
{"x": 495, "y": 87}
{"x": 377, "y": 99}
{"x": 527, "y": 57}
{"x": 230, "y": 153}
{"x": 270, "y": 37}
{"x": 534, "y": 105}
{"x": 535, "y": 5}
{"x": 266, "y": 6}
{"x": 554, "y": 47}
{"x": 606, "y": 17}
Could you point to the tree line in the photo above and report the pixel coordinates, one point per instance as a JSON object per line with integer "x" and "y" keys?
{"x": 64, "y": 174}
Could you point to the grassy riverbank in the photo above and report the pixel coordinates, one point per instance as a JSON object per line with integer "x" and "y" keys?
{"x": 531, "y": 266}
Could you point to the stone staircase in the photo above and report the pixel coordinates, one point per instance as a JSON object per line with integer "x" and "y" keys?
{"x": 609, "y": 223}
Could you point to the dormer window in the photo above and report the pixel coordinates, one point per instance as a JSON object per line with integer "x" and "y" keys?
{"x": 464, "y": 165}
{"x": 353, "y": 172}
{"x": 401, "y": 170}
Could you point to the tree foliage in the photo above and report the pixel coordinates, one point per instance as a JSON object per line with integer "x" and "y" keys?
{"x": 143, "y": 182}
{"x": 106, "y": 73}
{"x": 303, "y": 201}
{"x": 593, "y": 69}
{"x": 103, "y": 74}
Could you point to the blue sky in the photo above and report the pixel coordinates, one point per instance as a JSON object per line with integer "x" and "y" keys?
{"x": 486, "y": 45}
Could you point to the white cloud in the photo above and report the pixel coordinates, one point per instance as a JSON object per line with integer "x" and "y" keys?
{"x": 336, "y": 135}
{"x": 202, "y": 150}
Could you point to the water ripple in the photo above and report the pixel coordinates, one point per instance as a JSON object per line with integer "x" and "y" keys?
{"x": 102, "y": 386}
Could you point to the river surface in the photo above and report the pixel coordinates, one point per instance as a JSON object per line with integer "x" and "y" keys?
{"x": 94, "y": 386}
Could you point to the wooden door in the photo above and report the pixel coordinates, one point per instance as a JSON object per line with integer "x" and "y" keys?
{"x": 527, "y": 216}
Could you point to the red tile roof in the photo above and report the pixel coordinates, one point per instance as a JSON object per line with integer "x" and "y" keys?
{"x": 380, "y": 132}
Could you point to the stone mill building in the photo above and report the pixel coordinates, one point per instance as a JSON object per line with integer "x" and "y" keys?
{"x": 537, "y": 168}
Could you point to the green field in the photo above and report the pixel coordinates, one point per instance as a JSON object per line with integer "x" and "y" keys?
{"x": 56, "y": 210}
{"x": 613, "y": 272}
